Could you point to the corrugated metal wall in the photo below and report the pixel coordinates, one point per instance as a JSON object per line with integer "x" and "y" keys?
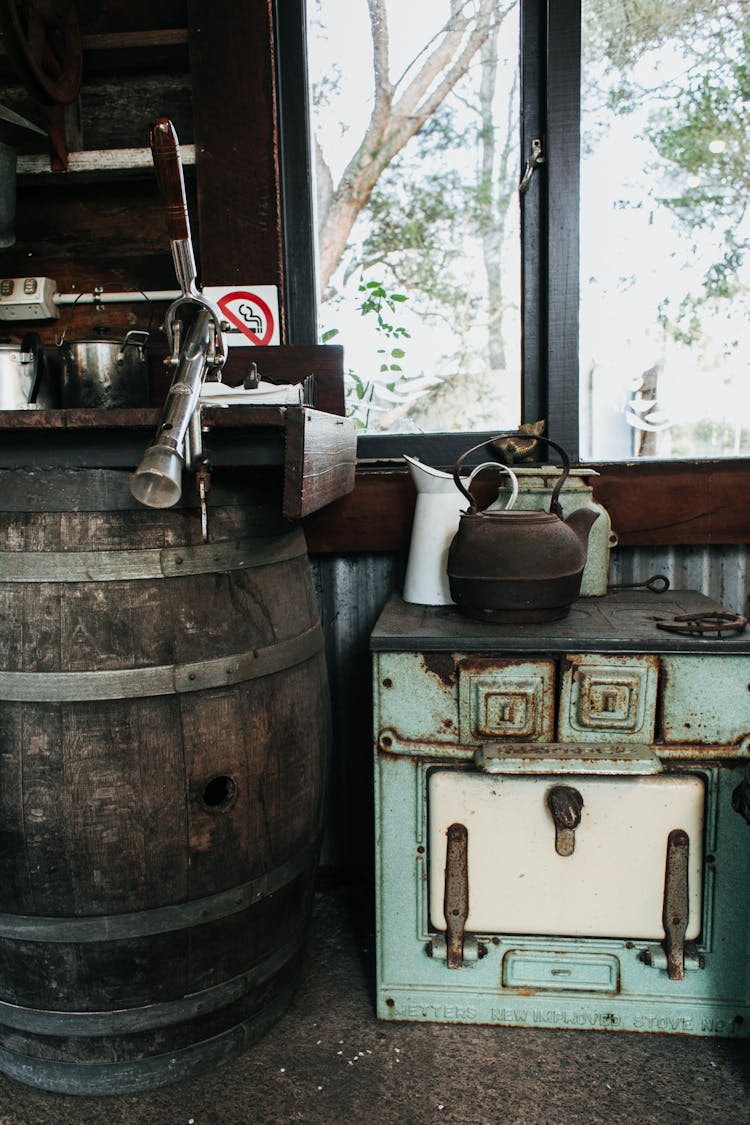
{"x": 352, "y": 590}
{"x": 722, "y": 573}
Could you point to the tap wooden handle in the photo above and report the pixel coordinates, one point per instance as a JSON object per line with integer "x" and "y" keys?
{"x": 165, "y": 150}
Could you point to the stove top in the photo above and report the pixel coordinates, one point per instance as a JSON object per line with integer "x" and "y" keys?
{"x": 623, "y": 621}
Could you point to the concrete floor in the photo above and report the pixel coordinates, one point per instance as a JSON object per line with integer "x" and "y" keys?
{"x": 329, "y": 1062}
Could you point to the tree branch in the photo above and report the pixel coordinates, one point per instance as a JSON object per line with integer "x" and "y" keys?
{"x": 393, "y": 124}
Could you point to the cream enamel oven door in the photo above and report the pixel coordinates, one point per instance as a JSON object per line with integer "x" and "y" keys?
{"x": 612, "y": 882}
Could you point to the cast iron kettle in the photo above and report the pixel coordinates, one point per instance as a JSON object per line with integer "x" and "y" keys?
{"x": 524, "y": 566}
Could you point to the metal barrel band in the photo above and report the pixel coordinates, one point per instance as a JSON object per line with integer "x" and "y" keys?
{"x": 126, "y": 1021}
{"x": 160, "y": 679}
{"x": 165, "y": 562}
{"x": 141, "y": 1074}
{"x": 160, "y": 919}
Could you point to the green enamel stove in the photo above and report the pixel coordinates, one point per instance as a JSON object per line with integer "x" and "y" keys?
{"x": 561, "y": 817}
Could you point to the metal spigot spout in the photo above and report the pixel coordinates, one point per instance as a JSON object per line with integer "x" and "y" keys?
{"x": 157, "y": 483}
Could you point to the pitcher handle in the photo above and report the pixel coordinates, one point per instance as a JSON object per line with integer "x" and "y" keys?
{"x": 504, "y": 468}
{"x": 554, "y": 505}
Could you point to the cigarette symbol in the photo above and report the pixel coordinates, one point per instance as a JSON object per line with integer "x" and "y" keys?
{"x": 251, "y": 318}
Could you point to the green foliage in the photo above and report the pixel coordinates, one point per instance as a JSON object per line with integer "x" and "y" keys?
{"x": 376, "y": 299}
{"x": 413, "y": 235}
{"x": 440, "y": 133}
{"x": 721, "y": 278}
{"x": 424, "y": 208}
{"x": 709, "y": 438}
{"x": 710, "y": 109}
{"x": 413, "y": 215}
{"x": 364, "y": 395}
{"x": 699, "y": 126}
{"x": 429, "y": 228}
{"x": 621, "y": 30}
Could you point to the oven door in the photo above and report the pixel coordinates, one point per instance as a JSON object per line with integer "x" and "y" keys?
{"x": 530, "y": 868}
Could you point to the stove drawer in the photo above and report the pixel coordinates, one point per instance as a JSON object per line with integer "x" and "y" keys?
{"x": 511, "y": 700}
{"x": 610, "y": 884}
{"x": 608, "y": 694}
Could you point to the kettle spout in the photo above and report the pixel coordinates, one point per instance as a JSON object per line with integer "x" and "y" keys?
{"x": 581, "y": 521}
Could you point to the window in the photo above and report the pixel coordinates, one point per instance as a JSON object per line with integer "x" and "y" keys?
{"x": 416, "y": 111}
{"x": 467, "y": 294}
{"x": 665, "y": 283}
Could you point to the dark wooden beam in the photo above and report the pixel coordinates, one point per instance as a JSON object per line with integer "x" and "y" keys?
{"x": 295, "y": 162}
{"x": 650, "y": 504}
{"x": 533, "y": 213}
{"x": 236, "y": 139}
{"x": 375, "y": 517}
{"x": 677, "y": 503}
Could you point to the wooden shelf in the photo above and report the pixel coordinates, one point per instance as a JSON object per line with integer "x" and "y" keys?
{"x": 135, "y": 40}
{"x": 317, "y": 451}
{"x": 99, "y": 163}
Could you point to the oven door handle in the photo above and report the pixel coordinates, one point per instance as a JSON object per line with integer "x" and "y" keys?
{"x": 566, "y": 757}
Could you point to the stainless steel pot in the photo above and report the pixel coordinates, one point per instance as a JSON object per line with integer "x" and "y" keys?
{"x": 24, "y": 380}
{"x": 104, "y": 372}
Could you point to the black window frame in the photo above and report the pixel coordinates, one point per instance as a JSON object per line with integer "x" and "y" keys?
{"x": 550, "y": 60}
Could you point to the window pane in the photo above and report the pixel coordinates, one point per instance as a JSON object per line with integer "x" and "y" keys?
{"x": 665, "y": 330}
{"x": 416, "y": 133}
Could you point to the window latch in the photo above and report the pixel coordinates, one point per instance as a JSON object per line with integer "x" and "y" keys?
{"x": 535, "y": 159}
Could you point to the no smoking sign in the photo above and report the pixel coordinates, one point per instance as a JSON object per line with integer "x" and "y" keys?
{"x": 251, "y": 311}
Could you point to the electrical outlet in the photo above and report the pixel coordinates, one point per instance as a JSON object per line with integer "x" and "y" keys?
{"x": 28, "y": 298}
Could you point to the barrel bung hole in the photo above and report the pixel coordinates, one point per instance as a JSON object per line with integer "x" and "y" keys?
{"x": 219, "y": 793}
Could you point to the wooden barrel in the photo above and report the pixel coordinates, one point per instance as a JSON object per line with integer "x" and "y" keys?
{"x": 164, "y": 732}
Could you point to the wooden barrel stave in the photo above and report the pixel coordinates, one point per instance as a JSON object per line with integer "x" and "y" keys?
{"x": 119, "y": 810}
{"x": 81, "y": 795}
{"x": 164, "y": 1020}
{"x": 77, "y": 626}
{"x": 99, "y": 976}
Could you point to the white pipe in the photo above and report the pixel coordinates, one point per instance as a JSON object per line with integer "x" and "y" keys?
{"x": 131, "y": 295}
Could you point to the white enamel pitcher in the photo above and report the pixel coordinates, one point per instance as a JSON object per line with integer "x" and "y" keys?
{"x": 436, "y": 516}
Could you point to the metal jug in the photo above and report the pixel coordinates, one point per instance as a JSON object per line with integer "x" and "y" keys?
{"x": 24, "y": 378}
{"x": 436, "y": 517}
{"x": 518, "y": 566}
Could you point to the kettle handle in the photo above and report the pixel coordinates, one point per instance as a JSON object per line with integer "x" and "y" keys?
{"x": 554, "y": 505}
